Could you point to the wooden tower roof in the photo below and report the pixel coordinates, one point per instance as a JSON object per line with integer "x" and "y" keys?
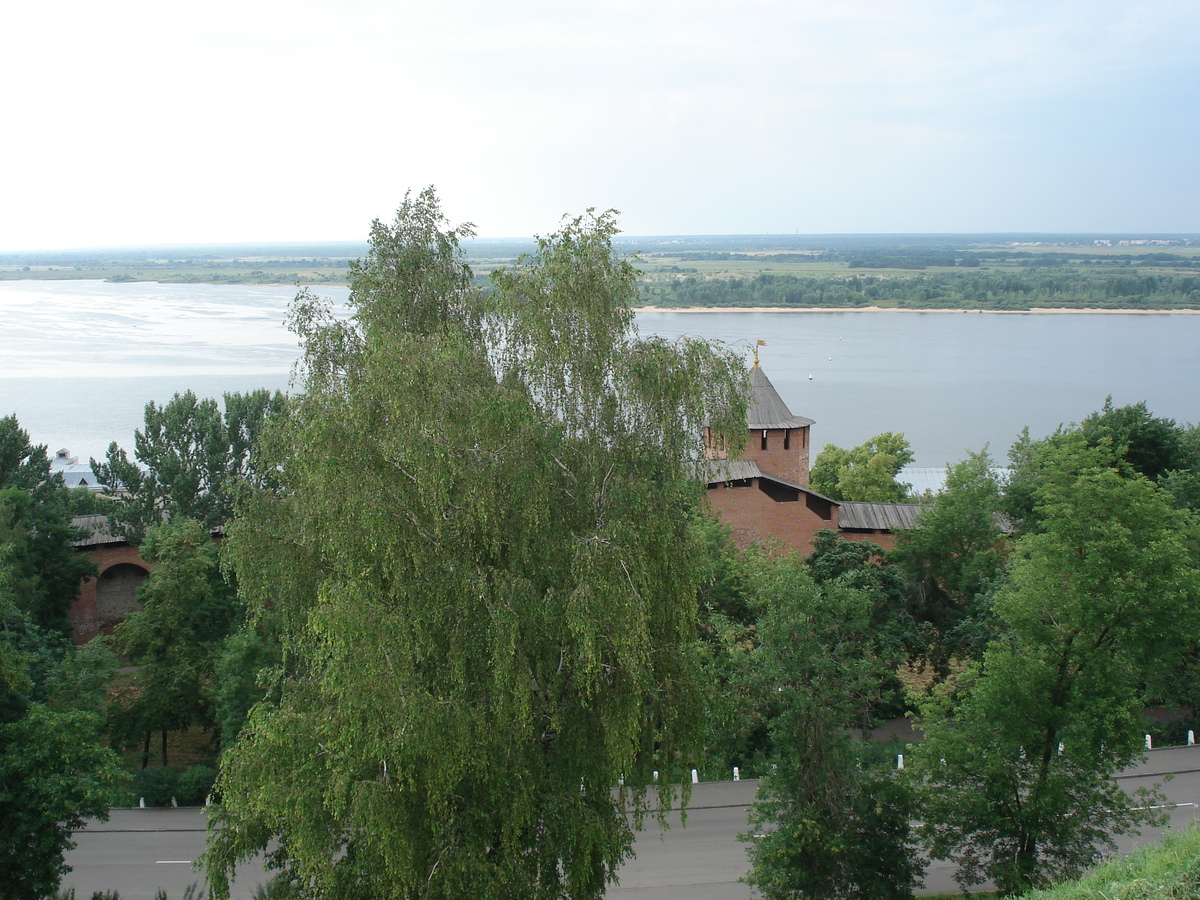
{"x": 767, "y": 409}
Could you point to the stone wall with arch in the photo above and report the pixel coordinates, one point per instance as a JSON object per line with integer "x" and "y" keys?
{"x": 105, "y": 600}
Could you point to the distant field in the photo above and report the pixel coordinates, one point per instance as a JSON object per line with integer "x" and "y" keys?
{"x": 829, "y": 271}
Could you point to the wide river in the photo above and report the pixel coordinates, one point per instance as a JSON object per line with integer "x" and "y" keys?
{"x": 80, "y": 359}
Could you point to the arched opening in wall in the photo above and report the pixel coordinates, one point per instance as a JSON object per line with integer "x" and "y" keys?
{"x": 116, "y": 593}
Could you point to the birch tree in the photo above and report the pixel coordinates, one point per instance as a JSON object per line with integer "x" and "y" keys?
{"x": 479, "y": 546}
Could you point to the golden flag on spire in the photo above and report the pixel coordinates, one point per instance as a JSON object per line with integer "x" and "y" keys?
{"x": 758, "y": 344}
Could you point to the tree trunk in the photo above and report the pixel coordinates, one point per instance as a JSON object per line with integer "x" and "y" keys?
{"x": 146, "y": 750}
{"x": 164, "y": 748}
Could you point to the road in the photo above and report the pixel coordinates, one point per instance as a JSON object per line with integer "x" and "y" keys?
{"x": 138, "y": 851}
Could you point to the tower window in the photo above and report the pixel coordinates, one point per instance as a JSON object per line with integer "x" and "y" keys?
{"x": 787, "y": 439}
{"x": 764, "y": 439}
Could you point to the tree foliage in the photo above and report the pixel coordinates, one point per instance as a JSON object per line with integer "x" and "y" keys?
{"x": 1130, "y": 439}
{"x": 953, "y": 560}
{"x": 1147, "y": 444}
{"x": 190, "y": 457}
{"x": 53, "y": 771}
{"x": 480, "y": 543}
{"x": 1020, "y": 752}
{"x": 865, "y": 566}
{"x": 1029, "y": 287}
{"x": 736, "y": 712}
{"x": 827, "y": 822}
{"x": 187, "y": 612}
{"x": 36, "y": 535}
{"x": 866, "y": 472}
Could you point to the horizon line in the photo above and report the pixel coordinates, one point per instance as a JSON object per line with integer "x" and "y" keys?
{"x": 1114, "y": 234}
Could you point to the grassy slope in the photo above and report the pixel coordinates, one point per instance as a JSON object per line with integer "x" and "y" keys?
{"x": 1169, "y": 870}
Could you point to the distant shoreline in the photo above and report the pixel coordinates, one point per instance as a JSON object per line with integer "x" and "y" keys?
{"x": 886, "y": 309}
{"x": 319, "y": 285}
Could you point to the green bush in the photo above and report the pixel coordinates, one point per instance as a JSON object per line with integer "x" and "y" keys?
{"x": 1172, "y": 733}
{"x": 194, "y": 785}
{"x": 156, "y": 785}
{"x": 120, "y": 795}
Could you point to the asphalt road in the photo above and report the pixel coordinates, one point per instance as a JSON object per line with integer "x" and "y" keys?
{"x": 138, "y": 851}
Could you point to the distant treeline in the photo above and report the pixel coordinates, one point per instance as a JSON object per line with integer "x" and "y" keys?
{"x": 1030, "y": 288}
{"x": 973, "y": 259}
{"x": 919, "y": 258}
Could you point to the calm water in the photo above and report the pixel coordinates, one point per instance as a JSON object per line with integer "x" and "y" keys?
{"x": 79, "y": 361}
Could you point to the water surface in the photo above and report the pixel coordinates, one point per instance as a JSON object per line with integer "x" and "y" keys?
{"x": 80, "y": 359}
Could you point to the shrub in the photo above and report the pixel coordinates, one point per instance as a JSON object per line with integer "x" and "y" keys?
{"x": 156, "y": 785}
{"x": 194, "y": 785}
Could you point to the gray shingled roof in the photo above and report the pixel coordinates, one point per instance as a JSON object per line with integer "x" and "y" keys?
{"x": 861, "y": 516}
{"x": 718, "y": 471}
{"x": 767, "y": 409}
{"x": 97, "y": 531}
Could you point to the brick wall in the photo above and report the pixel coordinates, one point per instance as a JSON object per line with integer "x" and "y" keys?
{"x": 789, "y": 463}
{"x": 756, "y": 516}
{"x": 104, "y": 601}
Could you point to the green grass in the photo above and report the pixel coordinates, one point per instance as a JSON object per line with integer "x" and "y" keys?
{"x": 1168, "y": 870}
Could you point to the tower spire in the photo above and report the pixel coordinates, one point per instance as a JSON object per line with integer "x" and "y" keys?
{"x": 758, "y": 344}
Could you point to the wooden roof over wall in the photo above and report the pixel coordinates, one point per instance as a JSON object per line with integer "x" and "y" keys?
{"x": 859, "y": 516}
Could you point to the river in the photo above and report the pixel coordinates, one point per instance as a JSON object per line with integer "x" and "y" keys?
{"x": 80, "y": 359}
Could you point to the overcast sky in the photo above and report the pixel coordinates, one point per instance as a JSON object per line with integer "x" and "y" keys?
{"x": 263, "y": 120}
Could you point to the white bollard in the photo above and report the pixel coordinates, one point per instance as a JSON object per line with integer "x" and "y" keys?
{"x": 1149, "y": 743}
{"x": 900, "y": 761}
{"x": 174, "y": 803}
{"x": 656, "y": 776}
{"x": 141, "y": 802}
{"x": 737, "y": 774}
{"x": 1191, "y": 738}
{"x": 695, "y": 777}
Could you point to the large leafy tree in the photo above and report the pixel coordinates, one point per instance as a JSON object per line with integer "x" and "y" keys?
{"x": 867, "y": 472}
{"x": 1147, "y": 444}
{"x": 1021, "y": 749}
{"x": 953, "y": 560}
{"x": 735, "y": 717}
{"x": 829, "y": 820}
{"x": 35, "y": 530}
{"x": 1130, "y": 438}
{"x": 190, "y": 459}
{"x": 176, "y": 638}
{"x": 733, "y": 600}
{"x": 479, "y": 541}
{"x": 54, "y": 772}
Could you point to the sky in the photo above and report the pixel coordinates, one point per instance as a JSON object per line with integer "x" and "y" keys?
{"x": 132, "y": 123}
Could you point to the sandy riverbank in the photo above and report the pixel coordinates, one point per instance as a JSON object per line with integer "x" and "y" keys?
{"x": 868, "y": 309}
